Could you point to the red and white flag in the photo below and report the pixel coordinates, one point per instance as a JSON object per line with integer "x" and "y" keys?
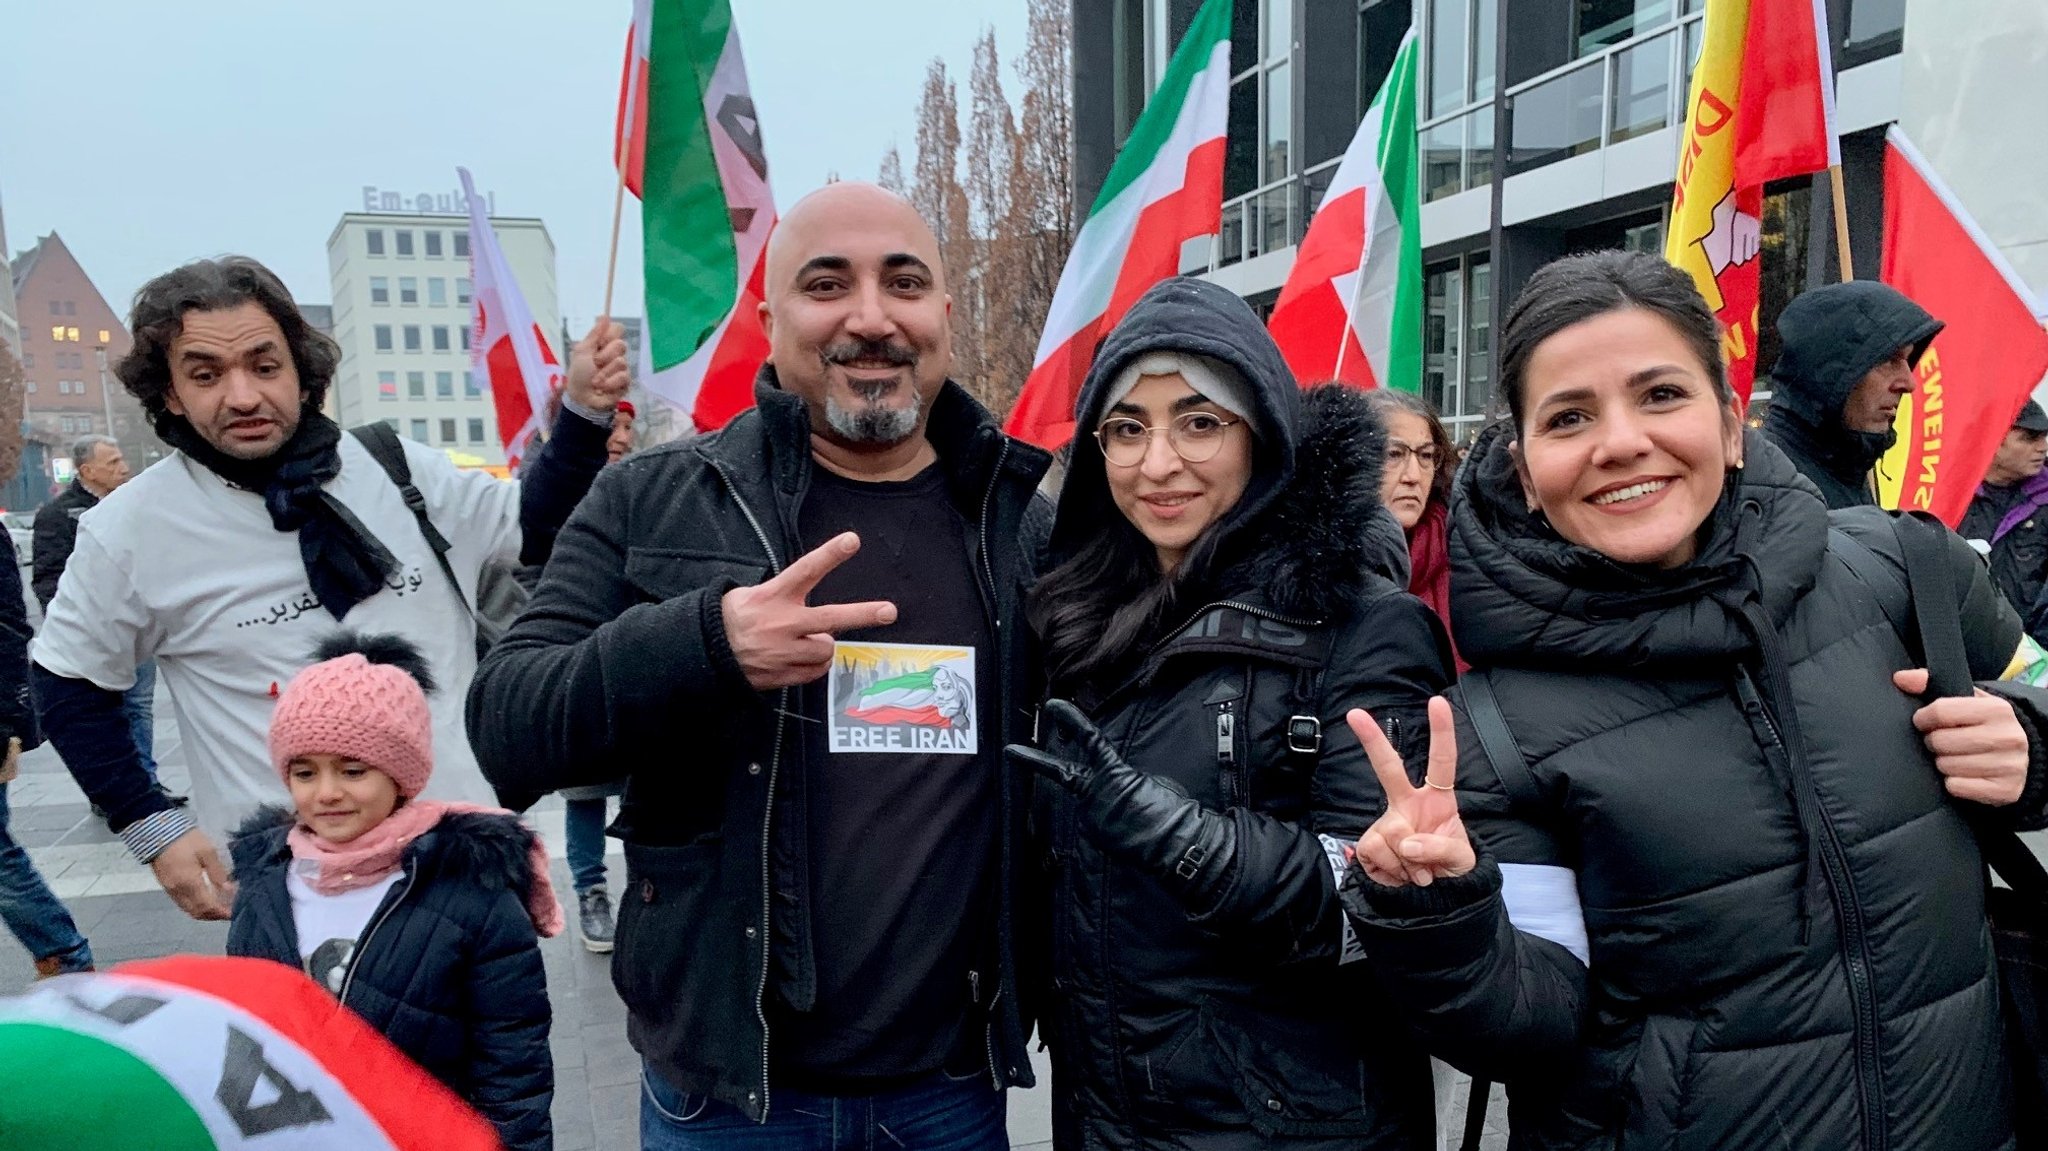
{"x": 509, "y": 349}
{"x": 1165, "y": 189}
{"x": 1982, "y": 366}
{"x": 629, "y": 141}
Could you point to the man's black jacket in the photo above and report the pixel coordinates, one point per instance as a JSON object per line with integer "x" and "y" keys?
{"x": 620, "y": 669}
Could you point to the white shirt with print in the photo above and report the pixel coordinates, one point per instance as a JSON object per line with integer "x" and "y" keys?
{"x": 179, "y": 567}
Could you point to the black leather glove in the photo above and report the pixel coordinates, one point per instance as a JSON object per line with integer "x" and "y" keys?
{"x": 1142, "y": 821}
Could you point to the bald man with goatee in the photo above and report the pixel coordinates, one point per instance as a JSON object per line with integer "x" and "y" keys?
{"x": 799, "y": 642}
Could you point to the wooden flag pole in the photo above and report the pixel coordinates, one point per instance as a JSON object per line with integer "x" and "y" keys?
{"x": 611, "y": 266}
{"x": 1834, "y": 182}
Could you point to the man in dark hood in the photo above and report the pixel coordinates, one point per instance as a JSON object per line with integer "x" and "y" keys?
{"x": 1848, "y": 352}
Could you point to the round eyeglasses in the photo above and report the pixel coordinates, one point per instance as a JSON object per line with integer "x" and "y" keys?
{"x": 1398, "y": 455}
{"x": 1194, "y": 436}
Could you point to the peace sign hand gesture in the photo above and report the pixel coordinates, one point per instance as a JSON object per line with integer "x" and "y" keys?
{"x": 1420, "y": 838}
{"x": 779, "y": 639}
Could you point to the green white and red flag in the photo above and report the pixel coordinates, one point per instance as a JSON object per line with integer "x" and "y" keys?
{"x": 203, "y": 1053}
{"x": 1165, "y": 189}
{"x": 689, "y": 146}
{"x": 1351, "y": 309}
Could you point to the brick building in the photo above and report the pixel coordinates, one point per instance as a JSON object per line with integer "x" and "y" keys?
{"x": 70, "y": 340}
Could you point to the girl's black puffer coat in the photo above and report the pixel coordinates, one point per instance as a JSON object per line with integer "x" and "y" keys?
{"x": 449, "y": 969}
{"x": 1250, "y": 1022}
{"x": 1783, "y": 908}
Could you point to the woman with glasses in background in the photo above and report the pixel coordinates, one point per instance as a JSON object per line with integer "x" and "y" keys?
{"x": 1220, "y": 589}
{"x": 1416, "y": 487}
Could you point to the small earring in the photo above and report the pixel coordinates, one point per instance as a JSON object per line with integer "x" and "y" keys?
{"x": 1738, "y": 465}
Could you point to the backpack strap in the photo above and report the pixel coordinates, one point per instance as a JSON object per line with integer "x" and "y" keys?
{"x": 382, "y": 443}
{"x": 1497, "y": 742}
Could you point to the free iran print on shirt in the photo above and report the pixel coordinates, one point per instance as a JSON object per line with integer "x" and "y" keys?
{"x": 902, "y": 697}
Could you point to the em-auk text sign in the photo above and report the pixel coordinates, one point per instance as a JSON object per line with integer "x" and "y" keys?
{"x": 453, "y": 203}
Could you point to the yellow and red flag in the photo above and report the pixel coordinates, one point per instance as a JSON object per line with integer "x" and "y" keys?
{"x": 1982, "y": 366}
{"x": 1762, "y": 108}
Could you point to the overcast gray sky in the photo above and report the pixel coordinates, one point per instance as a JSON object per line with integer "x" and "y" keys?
{"x": 149, "y": 133}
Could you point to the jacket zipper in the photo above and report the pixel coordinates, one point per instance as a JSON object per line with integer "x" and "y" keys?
{"x": 767, "y": 804}
{"x": 363, "y": 948}
{"x": 988, "y": 569}
{"x": 1855, "y": 952}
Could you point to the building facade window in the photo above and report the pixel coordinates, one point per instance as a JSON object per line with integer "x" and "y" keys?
{"x": 402, "y": 243}
{"x": 433, "y": 242}
{"x": 437, "y": 292}
{"x": 408, "y": 290}
{"x": 464, "y": 329}
{"x": 416, "y": 385}
{"x": 381, "y": 334}
{"x": 441, "y": 338}
{"x": 418, "y": 431}
{"x": 412, "y": 337}
{"x": 476, "y": 430}
{"x": 1629, "y": 78}
{"x": 461, "y": 245}
{"x": 380, "y": 290}
{"x": 1260, "y": 175}
{"x": 444, "y": 385}
{"x": 387, "y": 385}
{"x": 462, "y": 290}
{"x": 469, "y": 385}
{"x": 447, "y": 431}
{"x": 1457, "y": 342}
{"x": 373, "y": 241}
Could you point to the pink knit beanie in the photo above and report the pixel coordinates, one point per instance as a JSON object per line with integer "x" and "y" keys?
{"x": 372, "y": 712}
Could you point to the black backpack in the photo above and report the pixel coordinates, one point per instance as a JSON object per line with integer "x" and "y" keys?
{"x": 500, "y": 596}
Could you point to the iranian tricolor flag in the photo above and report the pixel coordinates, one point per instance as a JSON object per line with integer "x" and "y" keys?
{"x": 1985, "y": 362}
{"x": 1165, "y": 189}
{"x": 508, "y": 348}
{"x": 198, "y": 1053}
{"x": 1352, "y": 307}
{"x": 690, "y": 147}
{"x": 911, "y": 698}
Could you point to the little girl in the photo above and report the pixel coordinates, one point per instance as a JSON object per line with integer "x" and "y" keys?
{"x": 420, "y": 916}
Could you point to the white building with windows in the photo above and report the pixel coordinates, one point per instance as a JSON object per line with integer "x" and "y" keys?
{"x": 402, "y": 316}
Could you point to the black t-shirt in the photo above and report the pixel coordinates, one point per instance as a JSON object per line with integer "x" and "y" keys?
{"x": 901, "y": 794}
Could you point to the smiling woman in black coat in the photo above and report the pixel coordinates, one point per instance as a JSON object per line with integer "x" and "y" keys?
{"x": 1734, "y": 901}
{"x": 1223, "y": 584}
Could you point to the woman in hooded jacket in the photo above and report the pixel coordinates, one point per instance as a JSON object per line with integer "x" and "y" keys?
{"x": 1221, "y": 586}
{"x": 1731, "y": 897}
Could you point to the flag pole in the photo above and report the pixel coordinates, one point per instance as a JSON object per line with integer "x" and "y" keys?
{"x": 1841, "y": 223}
{"x": 611, "y": 267}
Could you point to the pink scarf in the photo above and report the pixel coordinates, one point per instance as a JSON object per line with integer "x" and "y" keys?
{"x": 371, "y": 856}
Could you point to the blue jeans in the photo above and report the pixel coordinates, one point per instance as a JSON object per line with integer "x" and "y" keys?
{"x": 31, "y": 912}
{"x": 139, "y": 705}
{"x": 937, "y": 1114}
{"x": 583, "y": 827}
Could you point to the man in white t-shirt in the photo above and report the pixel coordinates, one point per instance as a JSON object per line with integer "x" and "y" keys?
{"x": 228, "y": 562}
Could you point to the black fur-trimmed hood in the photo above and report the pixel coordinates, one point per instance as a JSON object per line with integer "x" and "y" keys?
{"x": 494, "y": 849}
{"x": 1313, "y": 550}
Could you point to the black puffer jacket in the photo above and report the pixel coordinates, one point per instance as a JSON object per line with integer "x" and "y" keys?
{"x": 1239, "y": 1024}
{"x": 449, "y": 969}
{"x": 1784, "y": 909}
{"x": 1831, "y": 338}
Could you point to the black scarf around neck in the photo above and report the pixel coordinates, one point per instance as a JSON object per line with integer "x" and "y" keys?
{"x": 345, "y": 564}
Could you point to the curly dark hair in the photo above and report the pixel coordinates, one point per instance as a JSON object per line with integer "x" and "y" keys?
{"x": 158, "y": 315}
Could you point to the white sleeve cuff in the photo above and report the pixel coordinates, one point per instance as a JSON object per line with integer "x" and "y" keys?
{"x": 148, "y": 837}
{"x": 601, "y": 419}
{"x": 1543, "y": 900}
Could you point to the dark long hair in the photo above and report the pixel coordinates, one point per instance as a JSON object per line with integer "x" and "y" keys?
{"x": 1387, "y": 401}
{"x": 215, "y": 286}
{"x": 1578, "y": 288}
{"x": 1093, "y": 612}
